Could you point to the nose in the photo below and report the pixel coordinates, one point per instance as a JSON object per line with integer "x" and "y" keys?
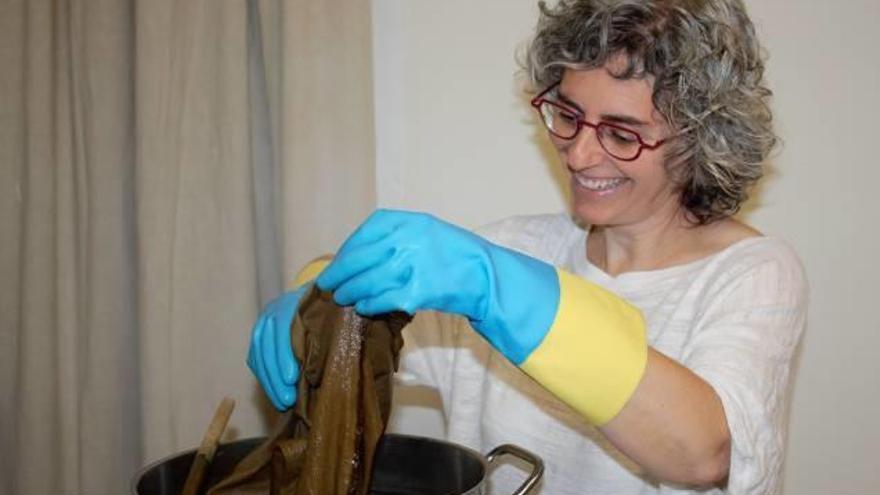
{"x": 584, "y": 151}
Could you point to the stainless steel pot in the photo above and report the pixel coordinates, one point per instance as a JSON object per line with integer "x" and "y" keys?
{"x": 404, "y": 465}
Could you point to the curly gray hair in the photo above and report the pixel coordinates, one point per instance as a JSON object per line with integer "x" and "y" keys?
{"x": 708, "y": 72}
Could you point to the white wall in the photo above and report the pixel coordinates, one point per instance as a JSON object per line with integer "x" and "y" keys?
{"x": 455, "y": 137}
{"x": 452, "y": 123}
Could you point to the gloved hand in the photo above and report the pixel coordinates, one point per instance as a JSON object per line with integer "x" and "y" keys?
{"x": 581, "y": 342}
{"x": 270, "y": 356}
{"x": 398, "y": 260}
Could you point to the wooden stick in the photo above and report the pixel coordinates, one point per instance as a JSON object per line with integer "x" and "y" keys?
{"x": 208, "y": 448}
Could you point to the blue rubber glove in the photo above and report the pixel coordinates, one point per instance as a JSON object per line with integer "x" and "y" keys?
{"x": 406, "y": 261}
{"x": 270, "y": 356}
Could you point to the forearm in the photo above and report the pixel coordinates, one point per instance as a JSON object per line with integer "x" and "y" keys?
{"x": 595, "y": 357}
{"x": 673, "y": 426}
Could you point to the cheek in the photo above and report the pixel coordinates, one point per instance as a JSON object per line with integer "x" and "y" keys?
{"x": 658, "y": 170}
{"x": 561, "y": 149}
{"x": 660, "y": 179}
{"x": 676, "y": 176}
{"x": 654, "y": 184}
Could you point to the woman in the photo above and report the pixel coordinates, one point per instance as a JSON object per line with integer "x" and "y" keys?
{"x": 642, "y": 346}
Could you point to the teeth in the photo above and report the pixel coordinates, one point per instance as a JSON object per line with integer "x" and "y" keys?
{"x": 599, "y": 184}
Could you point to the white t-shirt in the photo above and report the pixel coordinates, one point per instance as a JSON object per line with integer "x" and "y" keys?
{"x": 734, "y": 318}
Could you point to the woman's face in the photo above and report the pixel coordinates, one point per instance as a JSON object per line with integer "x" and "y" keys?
{"x": 607, "y": 191}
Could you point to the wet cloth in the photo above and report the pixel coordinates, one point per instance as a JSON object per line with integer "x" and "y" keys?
{"x": 734, "y": 318}
{"x": 325, "y": 444}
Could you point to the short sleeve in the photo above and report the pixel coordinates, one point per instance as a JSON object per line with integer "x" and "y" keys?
{"x": 743, "y": 345}
{"x": 541, "y": 236}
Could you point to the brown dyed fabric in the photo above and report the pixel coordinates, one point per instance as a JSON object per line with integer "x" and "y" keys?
{"x": 325, "y": 444}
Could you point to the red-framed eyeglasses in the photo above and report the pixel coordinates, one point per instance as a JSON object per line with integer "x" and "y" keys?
{"x": 565, "y": 123}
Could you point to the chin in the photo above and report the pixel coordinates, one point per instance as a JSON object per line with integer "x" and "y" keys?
{"x": 592, "y": 216}
{"x": 597, "y": 209}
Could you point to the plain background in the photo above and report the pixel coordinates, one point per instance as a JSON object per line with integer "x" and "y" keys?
{"x": 455, "y": 137}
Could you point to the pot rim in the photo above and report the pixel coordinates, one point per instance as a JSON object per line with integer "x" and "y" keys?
{"x": 484, "y": 460}
{"x": 152, "y": 465}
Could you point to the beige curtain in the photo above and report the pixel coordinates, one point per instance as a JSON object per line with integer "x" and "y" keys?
{"x": 164, "y": 166}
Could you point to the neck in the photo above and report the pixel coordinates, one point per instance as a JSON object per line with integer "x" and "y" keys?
{"x": 658, "y": 242}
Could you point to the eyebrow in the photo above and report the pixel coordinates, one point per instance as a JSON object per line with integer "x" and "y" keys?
{"x": 605, "y": 117}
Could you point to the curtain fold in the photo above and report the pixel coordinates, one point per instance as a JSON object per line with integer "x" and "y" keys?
{"x": 197, "y": 284}
{"x": 68, "y": 322}
{"x": 327, "y": 142}
{"x": 164, "y": 167}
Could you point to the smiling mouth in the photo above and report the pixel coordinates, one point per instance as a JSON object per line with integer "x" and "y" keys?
{"x": 600, "y": 185}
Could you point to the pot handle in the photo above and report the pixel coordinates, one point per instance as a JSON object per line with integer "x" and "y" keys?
{"x": 523, "y": 454}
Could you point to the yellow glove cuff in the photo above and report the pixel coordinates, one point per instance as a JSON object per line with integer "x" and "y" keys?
{"x": 594, "y": 354}
{"x": 311, "y": 271}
